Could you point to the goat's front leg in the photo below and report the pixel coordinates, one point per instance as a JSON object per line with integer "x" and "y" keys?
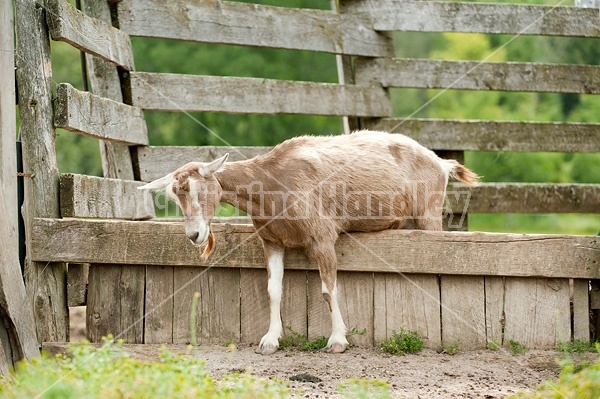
{"x": 327, "y": 261}
{"x": 274, "y": 254}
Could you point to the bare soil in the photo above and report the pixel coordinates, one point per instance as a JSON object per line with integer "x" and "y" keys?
{"x": 475, "y": 374}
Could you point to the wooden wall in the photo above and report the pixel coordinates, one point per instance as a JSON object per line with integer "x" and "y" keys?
{"x": 475, "y": 288}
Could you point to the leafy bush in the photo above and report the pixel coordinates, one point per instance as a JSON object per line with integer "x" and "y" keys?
{"x": 573, "y": 382}
{"x": 109, "y": 373}
{"x": 402, "y": 342}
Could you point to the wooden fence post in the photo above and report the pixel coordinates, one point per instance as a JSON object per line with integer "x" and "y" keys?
{"x": 17, "y": 327}
{"x": 46, "y": 283}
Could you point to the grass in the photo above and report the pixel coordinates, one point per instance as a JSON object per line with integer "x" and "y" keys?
{"x": 450, "y": 349}
{"x": 107, "y": 373}
{"x": 402, "y": 342}
{"x": 295, "y": 339}
{"x": 516, "y": 348}
{"x": 577, "y": 346}
{"x": 364, "y": 389}
{"x": 493, "y": 346}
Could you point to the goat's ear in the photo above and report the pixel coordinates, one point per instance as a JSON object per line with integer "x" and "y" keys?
{"x": 213, "y": 167}
{"x": 158, "y": 184}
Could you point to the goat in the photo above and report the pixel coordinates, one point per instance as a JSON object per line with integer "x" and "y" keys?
{"x": 308, "y": 190}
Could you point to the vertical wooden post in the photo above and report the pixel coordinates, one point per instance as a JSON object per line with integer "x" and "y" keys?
{"x": 105, "y": 82}
{"x": 45, "y": 282}
{"x": 16, "y": 323}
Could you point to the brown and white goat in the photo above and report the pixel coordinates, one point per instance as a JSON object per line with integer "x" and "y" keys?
{"x": 308, "y": 190}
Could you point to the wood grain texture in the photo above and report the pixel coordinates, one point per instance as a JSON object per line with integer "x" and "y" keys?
{"x": 252, "y": 25}
{"x": 192, "y": 93}
{"x": 294, "y": 303}
{"x": 115, "y": 302}
{"x": 45, "y": 283}
{"x": 158, "y": 305}
{"x": 220, "y": 306}
{"x": 479, "y": 135}
{"x": 523, "y": 198}
{"x": 105, "y": 82}
{"x": 494, "y": 309}
{"x": 581, "y": 309}
{"x": 156, "y": 162}
{"x": 537, "y": 312}
{"x": 477, "y": 75}
{"x": 90, "y": 35}
{"x": 355, "y": 297}
{"x": 463, "y": 311}
{"x": 254, "y": 305}
{"x": 77, "y": 283}
{"x": 186, "y": 283}
{"x": 521, "y": 19}
{"x": 319, "y": 319}
{"x": 409, "y": 301}
{"x": 94, "y": 116}
{"x": 19, "y": 340}
{"x": 406, "y": 251}
{"x": 96, "y": 197}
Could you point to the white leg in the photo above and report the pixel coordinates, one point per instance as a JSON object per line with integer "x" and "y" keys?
{"x": 270, "y": 342}
{"x": 337, "y": 342}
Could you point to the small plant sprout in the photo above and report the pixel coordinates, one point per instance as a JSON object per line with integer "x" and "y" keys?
{"x": 402, "y": 342}
{"x": 516, "y": 348}
{"x": 493, "y": 346}
{"x": 450, "y": 349}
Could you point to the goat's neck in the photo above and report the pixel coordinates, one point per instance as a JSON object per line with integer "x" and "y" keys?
{"x": 236, "y": 180}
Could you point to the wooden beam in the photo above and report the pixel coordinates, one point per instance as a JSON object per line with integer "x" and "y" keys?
{"x": 253, "y": 25}
{"x": 513, "y": 19}
{"x": 45, "y": 282}
{"x": 523, "y": 198}
{"x": 93, "y": 36}
{"x": 177, "y": 92}
{"x": 156, "y": 162}
{"x": 400, "y": 251}
{"x": 96, "y": 197}
{"x": 16, "y": 312}
{"x": 479, "y": 135}
{"x": 477, "y": 75}
{"x": 91, "y": 115}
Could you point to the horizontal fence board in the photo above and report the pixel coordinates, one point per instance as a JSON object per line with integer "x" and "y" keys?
{"x": 90, "y": 35}
{"x": 477, "y": 75}
{"x": 96, "y": 197}
{"x": 177, "y": 92}
{"x": 156, "y": 162}
{"x": 235, "y": 23}
{"x": 434, "y": 252}
{"x": 523, "y": 198}
{"x": 476, "y": 135}
{"x": 521, "y": 19}
{"x": 91, "y": 115}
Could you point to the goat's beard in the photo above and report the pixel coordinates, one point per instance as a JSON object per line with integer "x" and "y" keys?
{"x": 209, "y": 247}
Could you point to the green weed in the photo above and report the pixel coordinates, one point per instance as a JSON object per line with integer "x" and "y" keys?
{"x": 365, "y": 389}
{"x": 516, "y": 348}
{"x": 402, "y": 342}
{"x": 316, "y": 344}
{"x": 576, "y": 346}
{"x": 450, "y": 349}
{"x": 493, "y": 346}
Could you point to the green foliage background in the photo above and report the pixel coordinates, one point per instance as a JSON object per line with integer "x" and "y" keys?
{"x": 81, "y": 155}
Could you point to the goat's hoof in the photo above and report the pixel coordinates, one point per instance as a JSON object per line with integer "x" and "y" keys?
{"x": 335, "y": 348}
{"x": 266, "y": 349}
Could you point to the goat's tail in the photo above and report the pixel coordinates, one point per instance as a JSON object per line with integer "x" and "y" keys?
{"x": 460, "y": 173}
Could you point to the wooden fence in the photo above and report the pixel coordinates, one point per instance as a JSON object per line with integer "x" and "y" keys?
{"x": 475, "y": 288}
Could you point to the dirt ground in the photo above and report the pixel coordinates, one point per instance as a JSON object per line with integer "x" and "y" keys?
{"x": 478, "y": 374}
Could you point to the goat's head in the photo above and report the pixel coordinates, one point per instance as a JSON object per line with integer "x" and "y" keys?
{"x": 194, "y": 188}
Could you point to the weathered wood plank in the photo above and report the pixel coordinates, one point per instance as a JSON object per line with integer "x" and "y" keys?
{"x": 177, "y": 92}
{"x": 96, "y": 197}
{"x": 220, "y": 305}
{"x": 463, "y": 311}
{"x": 409, "y": 301}
{"x": 252, "y": 25}
{"x": 158, "y": 306}
{"x": 254, "y": 305}
{"x": 406, "y": 251}
{"x": 15, "y": 308}
{"x": 77, "y": 284}
{"x": 94, "y": 116}
{"x": 477, "y": 135}
{"x": 519, "y": 19}
{"x": 186, "y": 283}
{"x": 293, "y": 310}
{"x": 494, "y": 309}
{"x": 104, "y": 81}
{"x": 156, "y": 162}
{"x": 91, "y": 35}
{"x": 45, "y": 283}
{"x": 319, "y": 319}
{"x": 477, "y": 75}
{"x": 523, "y": 198}
{"x": 355, "y": 296}
{"x": 537, "y": 312}
{"x": 116, "y": 302}
{"x": 581, "y": 309}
